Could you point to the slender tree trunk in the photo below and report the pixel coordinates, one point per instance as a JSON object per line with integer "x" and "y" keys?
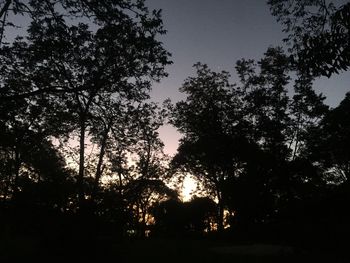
{"x": 147, "y": 162}
{"x": 120, "y": 174}
{"x": 120, "y": 183}
{"x": 221, "y": 212}
{"x": 80, "y": 180}
{"x": 296, "y": 138}
{"x": 217, "y": 180}
{"x": 295, "y": 148}
{"x": 17, "y": 165}
{"x": 347, "y": 172}
{"x": 5, "y": 8}
{"x": 144, "y": 224}
{"x": 3, "y": 14}
{"x": 100, "y": 159}
{"x": 83, "y": 112}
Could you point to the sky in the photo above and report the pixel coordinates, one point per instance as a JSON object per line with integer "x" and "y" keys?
{"x": 218, "y": 33}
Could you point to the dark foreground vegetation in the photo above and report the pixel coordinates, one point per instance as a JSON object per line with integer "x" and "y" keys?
{"x": 25, "y": 248}
{"x": 83, "y": 175}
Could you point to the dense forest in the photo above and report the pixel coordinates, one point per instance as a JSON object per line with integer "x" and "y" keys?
{"x": 82, "y": 166}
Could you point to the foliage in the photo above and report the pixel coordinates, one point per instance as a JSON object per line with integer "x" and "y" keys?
{"x": 209, "y": 121}
{"x": 193, "y": 218}
{"x": 329, "y": 142}
{"x": 80, "y": 151}
{"x": 247, "y": 142}
{"x": 318, "y": 34}
{"x": 83, "y": 70}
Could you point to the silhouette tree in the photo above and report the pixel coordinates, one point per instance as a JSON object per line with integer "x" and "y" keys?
{"x": 170, "y": 218}
{"x": 83, "y": 70}
{"x": 44, "y": 178}
{"x": 307, "y": 110}
{"x": 193, "y": 218}
{"x": 328, "y": 143}
{"x": 118, "y": 62}
{"x": 265, "y": 100}
{"x": 146, "y": 181}
{"x": 34, "y": 158}
{"x": 130, "y": 17}
{"x": 247, "y": 143}
{"x": 318, "y": 34}
{"x": 130, "y": 156}
{"x": 202, "y": 213}
{"x": 266, "y": 113}
{"x": 24, "y": 126}
{"x": 113, "y": 130}
{"x": 209, "y": 121}
{"x": 142, "y": 194}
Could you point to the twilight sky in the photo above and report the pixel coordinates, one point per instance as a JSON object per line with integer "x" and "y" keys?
{"x": 218, "y": 33}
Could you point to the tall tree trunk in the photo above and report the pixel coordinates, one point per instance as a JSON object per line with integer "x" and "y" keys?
{"x": 83, "y": 113}
{"x": 80, "y": 180}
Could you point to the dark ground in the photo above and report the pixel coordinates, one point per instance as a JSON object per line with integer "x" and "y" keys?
{"x": 33, "y": 249}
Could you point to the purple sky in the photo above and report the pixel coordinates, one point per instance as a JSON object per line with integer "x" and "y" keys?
{"x": 218, "y": 33}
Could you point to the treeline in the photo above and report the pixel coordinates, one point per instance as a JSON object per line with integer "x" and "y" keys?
{"x": 79, "y": 147}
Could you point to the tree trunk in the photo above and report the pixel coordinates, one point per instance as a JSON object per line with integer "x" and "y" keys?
{"x": 100, "y": 159}
{"x": 221, "y": 217}
{"x": 17, "y": 165}
{"x": 5, "y": 8}
{"x": 217, "y": 180}
{"x": 80, "y": 180}
{"x": 221, "y": 212}
{"x": 120, "y": 183}
{"x": 143, "y": 221}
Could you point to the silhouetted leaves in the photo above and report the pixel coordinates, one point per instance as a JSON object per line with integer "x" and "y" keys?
{"x": 318, "y": 34}
{"x": 329, "y": 143}
{"x": 82, "y": 71}
{"x": 248, "y": 143}
{"x": 193, "y": 218}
